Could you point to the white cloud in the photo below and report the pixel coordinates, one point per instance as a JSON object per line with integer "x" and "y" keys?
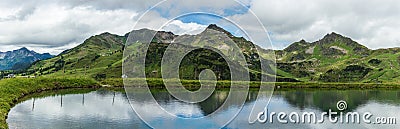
{"x": 59, "y": 25}
{"x": 180, "y": 28}
{"x": 46, "y": 49}
{"x": 151, "y": 20}
{"x": 54, "y": 25}
{"x": 373, "y": 23}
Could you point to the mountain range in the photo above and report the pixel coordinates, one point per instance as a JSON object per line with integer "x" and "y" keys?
{"x": 334, "y": 58}
{"x": 20, "y": 59}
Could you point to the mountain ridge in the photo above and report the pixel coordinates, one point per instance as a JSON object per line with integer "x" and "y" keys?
{"x": 333, "y": 58}
{"x": 20, "y": 58}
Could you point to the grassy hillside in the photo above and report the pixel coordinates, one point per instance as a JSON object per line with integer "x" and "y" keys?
{"x": 334, "y": 58}
{"x": 98, "y": 57}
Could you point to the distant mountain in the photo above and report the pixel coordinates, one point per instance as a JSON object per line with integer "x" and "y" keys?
{"x": 20, "y": 59}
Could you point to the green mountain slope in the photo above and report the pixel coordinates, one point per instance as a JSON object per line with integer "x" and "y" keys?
{"x": 100, "y": 56}
{"x": 336, "y": 58}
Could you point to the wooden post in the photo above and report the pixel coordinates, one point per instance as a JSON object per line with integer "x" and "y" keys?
{"x": 61, "y": 100}
{"x": 113, "y": 99}
{"x": 83, "y": 99}
{"x": 33, "y": 104}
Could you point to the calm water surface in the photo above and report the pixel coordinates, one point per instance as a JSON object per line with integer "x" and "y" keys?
{"x": 94, "y": 109}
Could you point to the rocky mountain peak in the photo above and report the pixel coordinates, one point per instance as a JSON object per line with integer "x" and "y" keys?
{"x": 333, "y": 34}
{"x": 165, "y": 37}
{"x": 302, "y": 41}
{"x": 214, "y": 27}
{"x": 302, "y": 44}
{"x": 217, "y": 28}
{"x": 106, "y": 33}
{"x": 333, "y": 37}
{"x": 23, "y": 49}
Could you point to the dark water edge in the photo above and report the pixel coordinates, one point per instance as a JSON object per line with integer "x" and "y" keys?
{"x": 222, "y": 84}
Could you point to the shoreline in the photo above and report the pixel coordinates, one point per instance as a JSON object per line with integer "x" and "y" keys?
{"x": 158, "y": 83}
{"x": 319, "y": 85}
{"x": 12, "y": 90}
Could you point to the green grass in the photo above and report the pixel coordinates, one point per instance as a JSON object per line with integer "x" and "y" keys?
{"x": 11, "y": 90}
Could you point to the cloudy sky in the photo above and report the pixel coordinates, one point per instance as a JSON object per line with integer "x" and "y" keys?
{"x": 55, "y": 25}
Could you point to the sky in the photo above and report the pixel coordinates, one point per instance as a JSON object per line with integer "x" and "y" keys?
{"x": 51, "y": 26}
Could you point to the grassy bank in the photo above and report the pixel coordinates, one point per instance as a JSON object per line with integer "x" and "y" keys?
{"x": 158, "y": 83}
{"x": 316, "y": 85}
{"x": 11, "y": 90}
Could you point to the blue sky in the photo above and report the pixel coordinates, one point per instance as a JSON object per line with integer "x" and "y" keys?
{"x": 207, "y": 19}
{"x": 53, "y": 26}
{"x": 202, "y": 19}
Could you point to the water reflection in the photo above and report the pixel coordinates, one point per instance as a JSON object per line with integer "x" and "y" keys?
{"x": 110, "y": 109}
{"x": 325, "y": 99}
{"x": 96, "y": 109}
